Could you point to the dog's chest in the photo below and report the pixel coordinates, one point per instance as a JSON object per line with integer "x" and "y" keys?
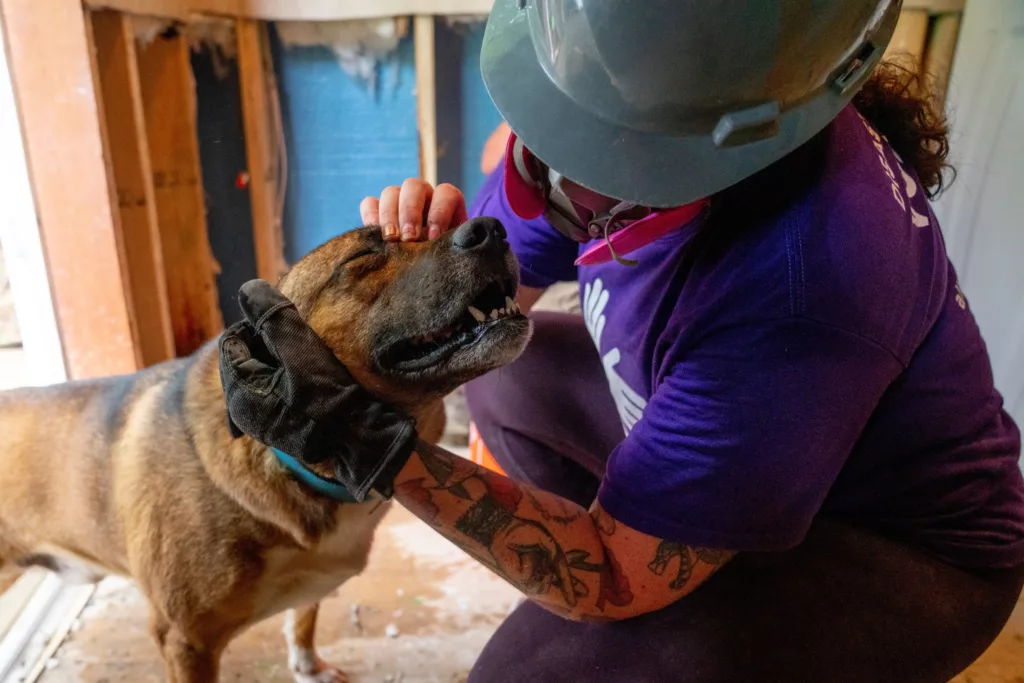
{"x": 295, "y": 578}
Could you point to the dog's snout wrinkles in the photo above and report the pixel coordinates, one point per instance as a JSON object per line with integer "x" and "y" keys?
{"x": 479, "y": 233}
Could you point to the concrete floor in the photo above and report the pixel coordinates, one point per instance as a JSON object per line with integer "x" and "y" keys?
{"x": 443, "y": 604}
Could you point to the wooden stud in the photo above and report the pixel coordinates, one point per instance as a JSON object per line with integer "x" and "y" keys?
{"x": 128, "y": 151}
{"x": 52, "y": 75}
{"x": 289, "y": 10}
{"x": 168, "y": 96}
{"x": 936, "y": 6}
{"x": 908, "y": 42}
{"x": 260, "y": 147}
{"x": 938, "y": 60}
{"x": 426, "y": 98}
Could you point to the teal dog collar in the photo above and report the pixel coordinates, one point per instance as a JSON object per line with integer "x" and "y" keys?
{"x": 325, "y": 487}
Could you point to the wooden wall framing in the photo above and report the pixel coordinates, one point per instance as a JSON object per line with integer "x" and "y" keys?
{"x": 109, "y": 127}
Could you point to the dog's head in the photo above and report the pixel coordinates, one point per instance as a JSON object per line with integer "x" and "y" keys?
{"x": 412, "y": 321}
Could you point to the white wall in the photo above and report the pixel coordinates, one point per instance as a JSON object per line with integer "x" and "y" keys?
{"x": 23, "y": 252}
{"x": 982, "y": 214}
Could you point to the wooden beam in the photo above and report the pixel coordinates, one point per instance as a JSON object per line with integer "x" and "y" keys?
{"x": 169, "y": 105}
{"x": 289, "y": 10}
{"x": 51, "y": 72}
{"x": 909, "y": 40}
{"x": 426, "y": 97}
{"x": 261, "y": 149}
{"x": 128, "y": 151}
{"x": 938, "y": 60}
{"x": 936, "y": 6}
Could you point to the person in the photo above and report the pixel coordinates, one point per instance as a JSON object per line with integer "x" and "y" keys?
{"x": 770, "y": 448}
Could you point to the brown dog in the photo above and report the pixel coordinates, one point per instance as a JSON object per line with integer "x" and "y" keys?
{"x": 138, "y": 475}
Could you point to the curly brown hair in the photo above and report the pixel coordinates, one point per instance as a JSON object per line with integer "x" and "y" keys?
{"x": 897, "y": 103}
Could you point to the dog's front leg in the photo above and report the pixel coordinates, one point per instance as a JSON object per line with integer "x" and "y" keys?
{"x": 305, "y": 664}
{"x": 185, "y": 661}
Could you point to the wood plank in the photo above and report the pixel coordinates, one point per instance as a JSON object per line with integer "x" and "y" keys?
{"x": 908, "y": 42}
{"x": 935, "y": 6}
{"x": 938, "y": 60}
{"x": 63, "y": 140}
{"x": 168, "y": 96}
{"x": 258, "y": 116}
{"x": 289, "y": 10}
{"x": 128, "y": 151}
{"x": 426, "y": 96}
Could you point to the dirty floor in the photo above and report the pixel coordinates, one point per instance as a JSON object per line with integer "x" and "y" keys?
{"x": 438, "y": 606}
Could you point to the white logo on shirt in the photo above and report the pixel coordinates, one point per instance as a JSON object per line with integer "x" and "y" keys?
{"x": 629, "y": 404}
{"x": 919, "y": 220}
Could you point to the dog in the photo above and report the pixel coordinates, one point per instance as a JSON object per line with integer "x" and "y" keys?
{"x": 138, "y": 475}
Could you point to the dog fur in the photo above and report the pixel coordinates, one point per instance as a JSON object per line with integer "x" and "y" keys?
{"x": 138, "y": 475}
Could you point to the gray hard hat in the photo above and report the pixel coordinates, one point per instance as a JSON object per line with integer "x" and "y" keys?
{"x": 662, "y": 102}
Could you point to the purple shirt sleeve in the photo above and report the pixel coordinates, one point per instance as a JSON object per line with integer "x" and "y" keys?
{"x": 741, "y": 442}
{"x": 545, "y": 255}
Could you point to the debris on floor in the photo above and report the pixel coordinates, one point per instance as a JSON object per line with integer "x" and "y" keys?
{"x": 420, "y": 613}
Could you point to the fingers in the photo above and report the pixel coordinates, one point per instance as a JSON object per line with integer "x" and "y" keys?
{"x": 282, "y": 330}
{"x": 447, "y": 210}
{"x": 400, "y": 211}
{"x": 369, "y": 211}
{"x": 413, "y": 199}
{"x": 257, "y": 298}
{"x": 388, "y": 212}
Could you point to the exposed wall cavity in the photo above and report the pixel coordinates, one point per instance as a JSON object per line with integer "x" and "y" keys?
{"x": 211, "y": 34}
{"x": 359, "y": 45}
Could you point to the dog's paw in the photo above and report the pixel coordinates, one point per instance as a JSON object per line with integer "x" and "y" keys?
{"x": 328, "y": 674}
{"x": 308, "y": 668}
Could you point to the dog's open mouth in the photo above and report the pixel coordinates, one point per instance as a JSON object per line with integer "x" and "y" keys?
{"x": 490, "y": 309}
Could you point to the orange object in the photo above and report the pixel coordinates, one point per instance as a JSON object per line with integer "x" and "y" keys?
{"x": 478, "y": 452}
{"x": 494, "y": 148}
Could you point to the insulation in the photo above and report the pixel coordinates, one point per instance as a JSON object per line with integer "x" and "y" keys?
{"x": 359, "y": 45}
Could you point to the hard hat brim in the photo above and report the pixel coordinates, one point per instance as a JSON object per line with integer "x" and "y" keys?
{"x": 652, "y": 169}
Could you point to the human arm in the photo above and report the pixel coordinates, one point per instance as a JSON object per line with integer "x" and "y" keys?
{"x": 580, "y": 564}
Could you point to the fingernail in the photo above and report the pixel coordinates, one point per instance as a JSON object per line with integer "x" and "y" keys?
{"x": 390, "y": 232}
{"x": 433, "y": 231}
{"x": 410, "y": 232}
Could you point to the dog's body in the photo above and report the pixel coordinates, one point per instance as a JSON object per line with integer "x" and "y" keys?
{"x": 138, "y": 475}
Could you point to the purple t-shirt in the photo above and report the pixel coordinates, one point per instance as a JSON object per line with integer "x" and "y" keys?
{"x": 802, "y": 348}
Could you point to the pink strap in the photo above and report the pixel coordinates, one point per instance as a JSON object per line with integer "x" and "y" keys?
{"x": 526, "y": 200}
{"x": 642, "y": 232}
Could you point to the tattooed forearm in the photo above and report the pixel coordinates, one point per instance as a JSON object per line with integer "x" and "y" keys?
{"x": 546, "y": 546}
{"x": 575, "y": 564}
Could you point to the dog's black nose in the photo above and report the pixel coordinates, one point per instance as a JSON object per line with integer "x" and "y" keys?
{"x": 479, "y": 233}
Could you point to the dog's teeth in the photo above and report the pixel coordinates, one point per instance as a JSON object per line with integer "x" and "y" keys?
{"x": 477, "y": 315}
{"x": 515, "y": 309}
{"x": 509, "y": 303}
{"x": 501, "y": 312}
{"x": 494, "y": 314}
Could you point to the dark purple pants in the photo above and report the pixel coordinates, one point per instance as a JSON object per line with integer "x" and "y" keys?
{"x": 848, "y": 605}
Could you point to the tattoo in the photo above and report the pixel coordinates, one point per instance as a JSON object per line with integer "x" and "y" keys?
{"x": 688, "y": 557}
{"x": 713, "y": 556}
{"x": 523, "y": 551}
{"x": 483, "y": 521}
{"x": 663, "y": 556}
{"x": 566, "y": 514}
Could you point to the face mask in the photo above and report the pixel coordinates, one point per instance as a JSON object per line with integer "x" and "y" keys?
{"x": 583, "y": 215}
